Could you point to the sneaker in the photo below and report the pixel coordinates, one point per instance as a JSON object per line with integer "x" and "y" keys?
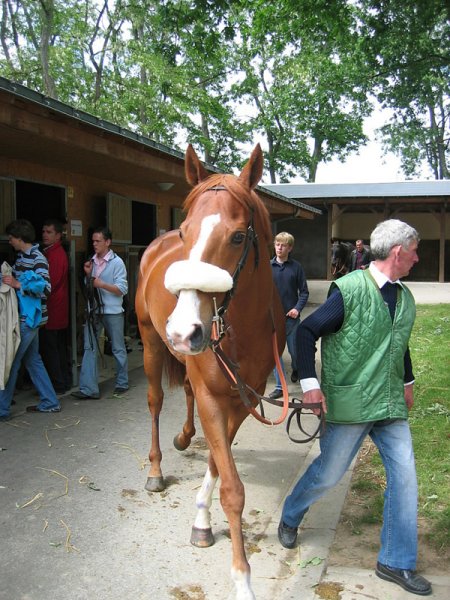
{"x": 80, "y": 396}
{"x": 120, "y": 390}
{"x": 287, "y": 535}
{"x": 35, "y": 409}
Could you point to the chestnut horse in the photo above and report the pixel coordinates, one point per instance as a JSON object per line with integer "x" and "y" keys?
{"x": 212, "y": 279}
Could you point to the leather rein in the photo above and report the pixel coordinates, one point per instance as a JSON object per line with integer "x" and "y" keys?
{"x": 231, "y": 369}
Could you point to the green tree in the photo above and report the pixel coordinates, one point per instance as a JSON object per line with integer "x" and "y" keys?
{"x": 304, "y": 72}
{"x": 296, "y": 73}
{"x": 409, "y": 47}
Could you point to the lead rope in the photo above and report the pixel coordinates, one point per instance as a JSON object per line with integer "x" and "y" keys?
{"x": 94, "y": 302}
{"x": 230, "y": 371}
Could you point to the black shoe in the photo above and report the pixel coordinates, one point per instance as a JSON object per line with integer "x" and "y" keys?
{"x": 276, "y": 394}
{"x": 81, "y": 396}
{"x": 35, "y": 409}
{"x": 5, "y": 418}
{"x": 294, "y": 376}
{"x": 287, "y": 535}
{"x": 120, "y": 390}
{"x": 407, "y": 579}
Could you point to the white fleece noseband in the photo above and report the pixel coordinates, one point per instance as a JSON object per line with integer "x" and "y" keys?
{"x": 197, "y": 275}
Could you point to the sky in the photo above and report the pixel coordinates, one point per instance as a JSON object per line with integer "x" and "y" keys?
{"x": 368, "y": 165}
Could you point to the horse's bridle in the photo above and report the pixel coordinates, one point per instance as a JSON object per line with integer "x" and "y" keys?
{"x": 251, "y": 239}
{"x": 230, "y": 369}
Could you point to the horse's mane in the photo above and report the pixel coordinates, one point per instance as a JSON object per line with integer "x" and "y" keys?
{"x": 247, "y": 198}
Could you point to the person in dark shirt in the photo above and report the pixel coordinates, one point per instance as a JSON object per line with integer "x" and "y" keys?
{"x": 290, "y": 281}
{"x": 359, "y": 257}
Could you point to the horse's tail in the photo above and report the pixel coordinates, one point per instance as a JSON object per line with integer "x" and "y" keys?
{"x": 175, "y": 370}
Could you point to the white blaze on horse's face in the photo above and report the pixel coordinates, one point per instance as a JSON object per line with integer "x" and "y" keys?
{"x": 206, "y": 229}
{"x": 188, "y": 328}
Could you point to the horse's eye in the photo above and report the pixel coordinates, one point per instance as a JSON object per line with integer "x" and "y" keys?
{"x": 237, "y": 238}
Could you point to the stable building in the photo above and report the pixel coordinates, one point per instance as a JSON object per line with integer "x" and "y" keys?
{"x": 59, "y": 162}
{"x": 351, "y": 212}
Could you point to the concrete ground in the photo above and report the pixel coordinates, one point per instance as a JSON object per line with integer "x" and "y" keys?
{"x": 76, "y": 522}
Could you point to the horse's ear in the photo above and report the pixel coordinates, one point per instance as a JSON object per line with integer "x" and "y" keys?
{"x": 253, "y": 170}
{"x": 193, "y": 168}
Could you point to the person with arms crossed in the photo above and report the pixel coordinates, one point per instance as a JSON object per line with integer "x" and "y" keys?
{"x": 366, "y": 389}
{"x": 31, "y": 281}
{"x": 290, "y": 281}
{"x": 106, "y": 277}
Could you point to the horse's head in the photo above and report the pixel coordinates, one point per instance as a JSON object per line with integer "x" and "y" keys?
{"x": 340, "y": 253}
{"x": 218, "y": 235}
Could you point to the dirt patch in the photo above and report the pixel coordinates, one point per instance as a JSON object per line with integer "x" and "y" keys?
{"x": 193, "y": 592}
{"x": 356, "y": 542}
{"x": 329, "y": 590}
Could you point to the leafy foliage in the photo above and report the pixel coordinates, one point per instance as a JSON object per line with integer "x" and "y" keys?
{"x": 299, "y": 75}
{"x": 409, "y": 46}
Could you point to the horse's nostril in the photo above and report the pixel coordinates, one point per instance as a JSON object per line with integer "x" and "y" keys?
{"x": 197, "y": 337}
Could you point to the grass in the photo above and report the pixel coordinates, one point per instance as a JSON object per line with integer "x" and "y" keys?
{"x": 430, "y": 427}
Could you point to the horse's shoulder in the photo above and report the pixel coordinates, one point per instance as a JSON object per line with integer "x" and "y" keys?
{"x": 162, "y": 251}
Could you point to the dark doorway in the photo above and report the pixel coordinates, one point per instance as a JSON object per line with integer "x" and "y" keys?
{"x": 143, "y": 223}
{"x": 37, "y": 202}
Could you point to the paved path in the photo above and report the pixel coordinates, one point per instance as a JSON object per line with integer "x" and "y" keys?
{"x": 76, "y": 522}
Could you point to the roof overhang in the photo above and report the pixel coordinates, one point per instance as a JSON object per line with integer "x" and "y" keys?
{"x": 411, "y": 196}
{"x": 42, "y": 130}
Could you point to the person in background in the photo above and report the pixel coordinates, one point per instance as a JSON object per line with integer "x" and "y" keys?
{"x": 106, "y": 285}
{"x": 53, "y": 336}
{"x": 359, "y": 257}
{"x": 367, "y": 388}
{"x": 290, "y": 281}
{"x": 31, "y": 280}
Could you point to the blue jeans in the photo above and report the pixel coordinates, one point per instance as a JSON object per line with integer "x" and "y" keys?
{"x": 28, "y": 353}
{"x": 113, "y": 325}
{"x": 339, "y": 445}
{"x": 291, "y": 328}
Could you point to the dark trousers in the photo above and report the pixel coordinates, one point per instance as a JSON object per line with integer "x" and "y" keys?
{"x": 53, "y": 350}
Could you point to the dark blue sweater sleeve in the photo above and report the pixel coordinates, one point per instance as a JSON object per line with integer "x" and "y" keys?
{"x": 328, "y": 318}
{"x": 303, "y": 291}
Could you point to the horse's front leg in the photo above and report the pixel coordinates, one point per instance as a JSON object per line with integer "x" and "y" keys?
{"x": 183, "y": 439}
{"x": 202, "y": 535}
{"x": 153, "y": 365}
{"x": 219, "y": 431}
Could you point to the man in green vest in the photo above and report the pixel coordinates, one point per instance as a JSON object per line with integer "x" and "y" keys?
{"x": 366, "y": 388}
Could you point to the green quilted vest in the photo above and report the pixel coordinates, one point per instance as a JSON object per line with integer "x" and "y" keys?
{"x": 363, "y": 363}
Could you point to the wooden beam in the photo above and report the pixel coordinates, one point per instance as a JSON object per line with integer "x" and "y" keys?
{"x": 442, "y": 245}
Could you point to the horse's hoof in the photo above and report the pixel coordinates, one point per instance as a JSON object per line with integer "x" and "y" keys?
{"x": 155, "y": 484}
{"x": 177, "y": 443}
{"x": 202, "y": 538}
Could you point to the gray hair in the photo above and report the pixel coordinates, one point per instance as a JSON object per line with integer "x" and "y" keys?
{"x": 388, "y": 234}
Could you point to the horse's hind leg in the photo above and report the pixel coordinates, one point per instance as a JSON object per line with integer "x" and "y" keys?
{"x": 183, "y": 439}
{"x": 154, "y": 350}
